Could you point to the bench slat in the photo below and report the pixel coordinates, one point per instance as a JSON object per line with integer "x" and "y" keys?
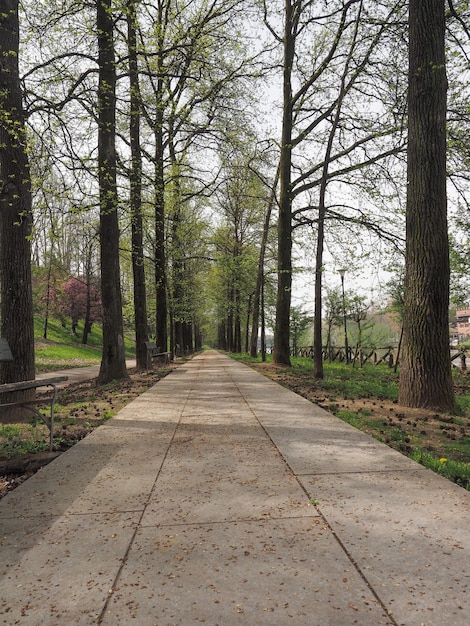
{"x": 22, "y": 385}
{"x": 154, "y": 352}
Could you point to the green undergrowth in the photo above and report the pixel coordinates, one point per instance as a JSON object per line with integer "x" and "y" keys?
{"x": 346, "y": 381}
{"x": 20, "y": 439}
{"x": 456, "y": 471}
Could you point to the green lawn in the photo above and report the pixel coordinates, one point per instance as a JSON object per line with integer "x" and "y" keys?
{"x": 63, "y": 348}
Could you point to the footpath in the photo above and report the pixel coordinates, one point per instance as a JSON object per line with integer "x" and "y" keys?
{"x": 218, "y": 497}
{"x": 79, "y": 374}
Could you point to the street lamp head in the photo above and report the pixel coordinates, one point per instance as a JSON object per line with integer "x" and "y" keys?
{"x": 342, "y": 273}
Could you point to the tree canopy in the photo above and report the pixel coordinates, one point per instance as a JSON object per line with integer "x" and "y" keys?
{"x": 184, "y": 157}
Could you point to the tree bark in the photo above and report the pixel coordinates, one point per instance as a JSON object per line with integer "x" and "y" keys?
{"x": 17, "y": 322}
{"x": 425, "y": 371}
{"x": 138, "y": 267}
{"x": 260, "y": 274}
{"x": 88, "y": 278}
{"x": 178, "y": 307}
{"x": 113, "y": 361}
{"x": 281, "y": 352}
{"x": 161, "y": 328}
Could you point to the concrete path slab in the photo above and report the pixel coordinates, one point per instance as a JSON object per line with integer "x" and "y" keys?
{"x": 193, "y": 505}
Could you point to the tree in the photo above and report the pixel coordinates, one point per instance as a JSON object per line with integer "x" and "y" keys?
{"x": 260, "y": 278}
{"x": 281, "y": 351}
{"x": 425, "y": 371}
{"x": 327, "y": 133}
{"x": 333, "y": 315}
{"x": 300, "y": 322}
{"x": 343, "y": 88}
{"x": 192, "y": 61}
{"x": 358, "y": 313}
{"x": 183, "y": 62}
{"x": 81, "y": 300}
{"x": 135, "y": 181}
{"x": 17, "y": 324}
{"x": 241, "y": 200}
{"x": 113, "y": 361}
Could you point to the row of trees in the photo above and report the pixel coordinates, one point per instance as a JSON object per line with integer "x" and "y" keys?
{"x": 425, "y": 375}
{"x": 179, "y": 155}
{"x": 123, "y": 101}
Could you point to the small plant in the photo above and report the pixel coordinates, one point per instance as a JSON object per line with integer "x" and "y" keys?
{"x": 453, "y": 470}
{"x": 10, "y": 430}
{"x": 16, "y": 446}
{"x": 17, "y": 440}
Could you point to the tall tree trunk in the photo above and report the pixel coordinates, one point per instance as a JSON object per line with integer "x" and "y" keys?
{"x": 230, "y": 317}
{"x": 317, "y": 321}
{"x": 247, "y": 324}
{"x": 188, "y": 336}
{"x": 260, "y": 274}
{"x": 138, "y": 267}
{"x": 222, "y": 336}
{"x": 281, "y": 353}
{"x": 161, "y": 328}
{"x": 48, "y": 297}
{"x": 263, "y": 326}
{"x": 17, "y": 323}
{"x": 237, "y": 328}
{"x": 177, "y": 254}
{"x": 113, "y": 362}
{"x": 197, "y": 337}
{"x": 425, "y": 371}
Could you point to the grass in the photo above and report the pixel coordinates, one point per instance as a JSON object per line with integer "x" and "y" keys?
{"x": 456, "y": 471}
{"x": 368, "y": 382}
{"x": 20, "y": 439}
{"x": 62, "y": 349}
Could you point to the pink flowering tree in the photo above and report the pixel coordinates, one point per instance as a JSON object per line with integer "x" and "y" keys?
{"x": 82, "y": 301}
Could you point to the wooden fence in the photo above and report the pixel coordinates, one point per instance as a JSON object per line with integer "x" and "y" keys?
{"x": 360, "y": 356}
{"x": 376, "y": 356}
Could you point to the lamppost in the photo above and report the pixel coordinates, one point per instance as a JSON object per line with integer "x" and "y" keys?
{"x": 346, "y": 347}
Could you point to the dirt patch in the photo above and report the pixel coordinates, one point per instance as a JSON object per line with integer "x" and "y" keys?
{"x": 81, "y": 407}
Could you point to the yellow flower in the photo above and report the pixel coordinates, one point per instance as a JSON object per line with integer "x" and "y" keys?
{"x": 443, "y": 460}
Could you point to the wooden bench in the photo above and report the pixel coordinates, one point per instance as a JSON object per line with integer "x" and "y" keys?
{"x": 25, "y": 385}
{"x": 154, "y": 353}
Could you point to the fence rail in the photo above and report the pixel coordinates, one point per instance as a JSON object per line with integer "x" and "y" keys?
{"x": 376, "y": 356}
{"x": 386, "y": 354}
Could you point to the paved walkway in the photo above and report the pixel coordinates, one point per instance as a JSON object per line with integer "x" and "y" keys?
{"x": 193, "y": 506}
{"x": 79, "y": 374}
